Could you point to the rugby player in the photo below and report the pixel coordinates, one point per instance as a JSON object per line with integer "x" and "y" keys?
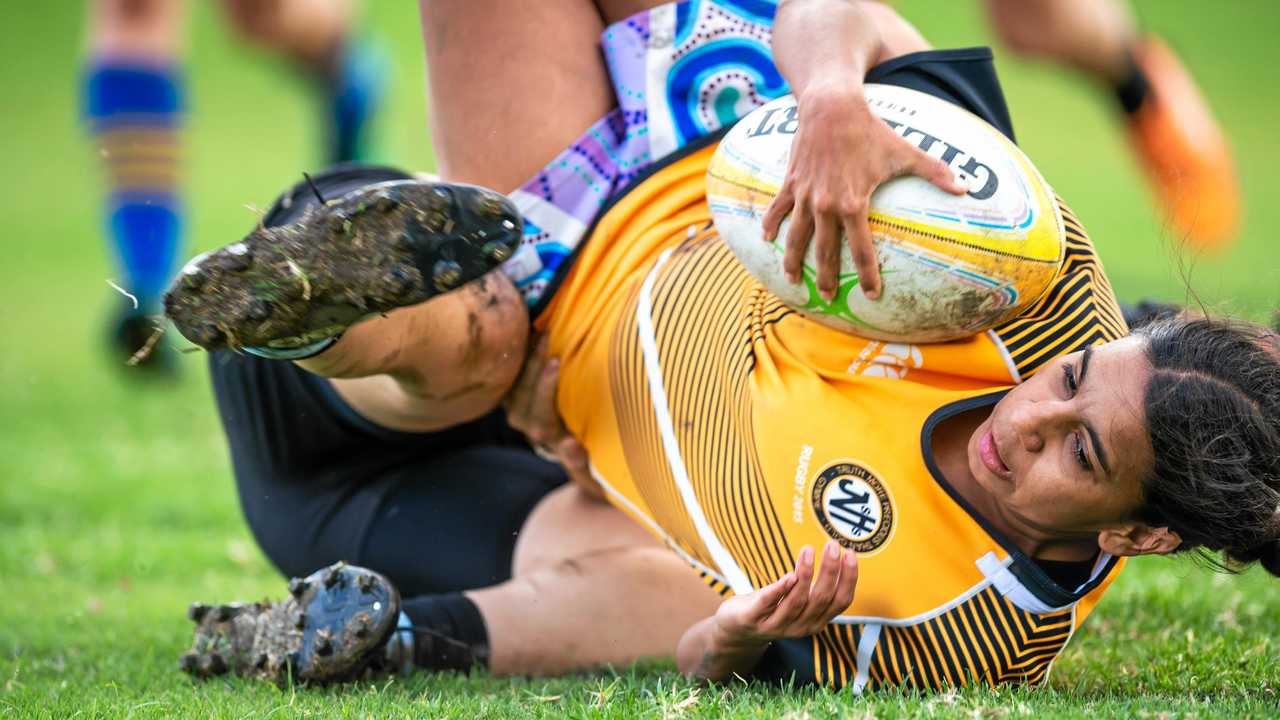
{"x": 971, "y": 501}
{"x": 133, "y": 100}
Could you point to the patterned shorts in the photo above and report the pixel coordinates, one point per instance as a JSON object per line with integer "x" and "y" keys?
{"x": 680, "y": 72}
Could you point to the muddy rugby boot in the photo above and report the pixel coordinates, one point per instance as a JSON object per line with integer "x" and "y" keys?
{"x": 382, "y": 246}
{"x": 335, "y": 623}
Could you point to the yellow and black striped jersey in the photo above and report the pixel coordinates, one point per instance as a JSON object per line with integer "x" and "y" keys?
{"x": 738, "y": 431}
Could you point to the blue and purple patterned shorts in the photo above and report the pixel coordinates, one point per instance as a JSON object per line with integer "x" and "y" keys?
{"x": 680, "y": 72}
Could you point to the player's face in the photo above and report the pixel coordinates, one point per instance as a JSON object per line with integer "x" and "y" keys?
{"x": 1064, "y": 455}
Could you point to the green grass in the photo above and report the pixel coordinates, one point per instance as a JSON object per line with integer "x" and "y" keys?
{"x": 117, "y": 506}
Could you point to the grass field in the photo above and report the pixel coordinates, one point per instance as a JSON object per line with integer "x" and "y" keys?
{"x": 117, "y": 506}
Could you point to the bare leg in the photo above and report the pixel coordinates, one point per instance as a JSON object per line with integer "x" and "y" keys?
{"x": 309, "y": 32}
{"x": 506, "y": 97}
{"x": 1091, "y": 36}
{"x": 434, "y": 365}
{"x": 1171, "y": 127}
{"x": 136, "y": 29}
{"x": 591, "y": 588}
{"x": 504, "y": 101}
{"x": 569, "y": 523}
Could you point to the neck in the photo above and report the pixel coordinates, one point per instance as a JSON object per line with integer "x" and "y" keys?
{"x": 950, "y": 444}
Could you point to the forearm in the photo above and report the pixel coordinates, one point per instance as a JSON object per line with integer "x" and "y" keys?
{"x": 832, "y": 43}
{"x": 821, "y": 44}
{"x": 704, "y": 652}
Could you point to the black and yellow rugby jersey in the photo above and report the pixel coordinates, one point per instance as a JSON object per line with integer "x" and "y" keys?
{"x": 738, "y": 431}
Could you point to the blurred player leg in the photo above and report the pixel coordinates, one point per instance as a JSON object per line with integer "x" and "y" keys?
{"x": 320, "y": 36}
{"x": 132, "y": 100}
{"x": 503, "y": 101}
{"x": 1171, "y": 127}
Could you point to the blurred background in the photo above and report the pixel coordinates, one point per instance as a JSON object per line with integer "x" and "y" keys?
{"x": 117, "y": 505}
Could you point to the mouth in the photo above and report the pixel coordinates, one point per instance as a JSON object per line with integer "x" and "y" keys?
{"x": 990, "y": 455}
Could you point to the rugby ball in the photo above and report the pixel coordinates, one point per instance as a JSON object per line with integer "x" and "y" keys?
{"x": 951, "y": 265}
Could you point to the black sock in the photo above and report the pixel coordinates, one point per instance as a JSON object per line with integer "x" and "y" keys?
{"x": 448, "y": 632}
{"x": 1133, "y": 90}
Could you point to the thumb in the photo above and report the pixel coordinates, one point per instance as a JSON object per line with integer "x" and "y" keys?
{"x": 764, "y": 600}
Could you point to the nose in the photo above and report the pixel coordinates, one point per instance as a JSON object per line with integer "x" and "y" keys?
{"x": 1033, "y": 421}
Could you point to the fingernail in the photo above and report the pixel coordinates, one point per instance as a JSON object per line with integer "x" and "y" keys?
{"x": 872, "y": 293}
{"x": 850, "y": 559}
{"x": 833, "y": 550}
{"x": 806, "y": 555}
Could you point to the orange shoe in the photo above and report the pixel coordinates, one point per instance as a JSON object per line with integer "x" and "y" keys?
{"x": 1184, "y": 153}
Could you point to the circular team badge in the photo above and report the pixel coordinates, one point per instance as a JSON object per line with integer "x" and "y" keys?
{"x": 853, "y": 506}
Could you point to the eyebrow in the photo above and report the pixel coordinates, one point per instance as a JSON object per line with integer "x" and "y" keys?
{"x": 1094, "y": 438}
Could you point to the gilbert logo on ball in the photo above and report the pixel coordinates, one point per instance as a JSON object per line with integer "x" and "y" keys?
{"x": 952, "y": 266}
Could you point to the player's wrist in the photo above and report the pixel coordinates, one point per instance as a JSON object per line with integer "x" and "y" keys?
{"x": 831, "y": 91}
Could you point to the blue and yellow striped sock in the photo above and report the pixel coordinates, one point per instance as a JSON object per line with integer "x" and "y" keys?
{"x": 135, "y": 112}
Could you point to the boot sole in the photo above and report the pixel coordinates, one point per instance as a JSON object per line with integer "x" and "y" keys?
{"x": 332, "y": 626}
{"x": 379, "y": 248}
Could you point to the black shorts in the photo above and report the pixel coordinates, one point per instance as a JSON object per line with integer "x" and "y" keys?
{"x": 435, "y": 512}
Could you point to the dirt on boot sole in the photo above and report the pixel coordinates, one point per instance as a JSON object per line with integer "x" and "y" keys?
{"x": 334, "y": 624}
{"x": 383, "y": 247}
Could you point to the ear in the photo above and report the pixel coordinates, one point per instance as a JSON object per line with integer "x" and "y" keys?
{"x": 1132, "y": 539}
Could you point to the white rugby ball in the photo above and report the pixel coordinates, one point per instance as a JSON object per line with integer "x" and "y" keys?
{"x": 951, "y": 265}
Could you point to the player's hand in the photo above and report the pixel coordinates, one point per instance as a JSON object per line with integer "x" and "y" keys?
{"x": 797, "y": 605}
{"x": 531, "y": 409}
{"x": 840, "y": 154}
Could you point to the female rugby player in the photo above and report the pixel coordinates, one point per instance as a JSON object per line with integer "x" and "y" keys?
{"x": 989, "y": 489}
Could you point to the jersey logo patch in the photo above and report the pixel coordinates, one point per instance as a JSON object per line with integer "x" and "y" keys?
{"x": 853, "y": 506}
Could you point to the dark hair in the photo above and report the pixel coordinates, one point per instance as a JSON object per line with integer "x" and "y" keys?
{"x": 1213, "y": 418}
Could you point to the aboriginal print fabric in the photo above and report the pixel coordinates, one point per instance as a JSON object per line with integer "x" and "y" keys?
{"x": 680, "y": 72}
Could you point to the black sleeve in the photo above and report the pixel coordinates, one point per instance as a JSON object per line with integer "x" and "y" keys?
{"x": 785, "y": 661}
{"x": 964, "y": 77}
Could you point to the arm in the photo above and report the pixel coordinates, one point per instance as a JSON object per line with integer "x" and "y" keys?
{"x": 824, "y": 49}
{"x": 732, "y": 640}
